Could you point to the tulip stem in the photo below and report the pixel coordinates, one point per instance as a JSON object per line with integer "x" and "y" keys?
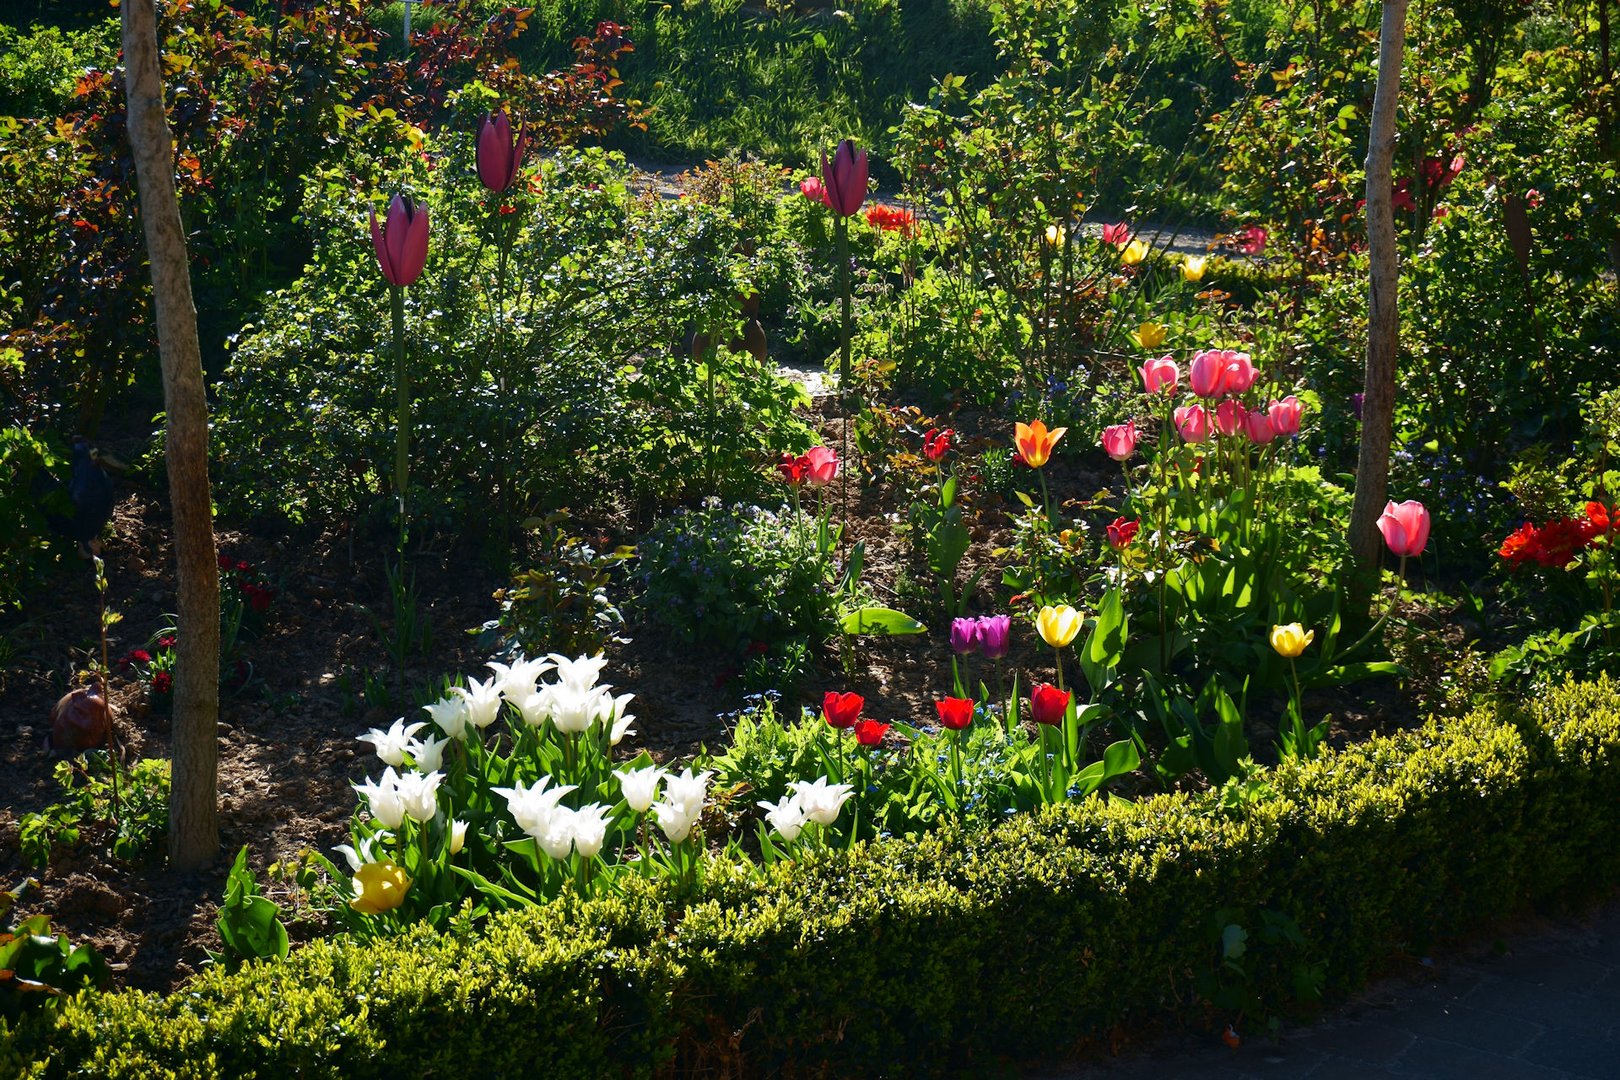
{"x": 846, "y": 329}
{"x": 402, "y": 408}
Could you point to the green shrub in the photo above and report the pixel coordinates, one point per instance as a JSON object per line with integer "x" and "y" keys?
{"x": 903, "y": 957}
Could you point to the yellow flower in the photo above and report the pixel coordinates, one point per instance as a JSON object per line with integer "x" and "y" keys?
{"x": 1035, "y": 443}
{"x": 1150, "y": 335}
{"x": 1192, "y": 267}
{"x": 1291, "y": 640}
{"x": 379, "y": 887}
{"x": 1134, "y": 252}
{"x": 1058, "y": 625}
{"x": 1055, "y": 235}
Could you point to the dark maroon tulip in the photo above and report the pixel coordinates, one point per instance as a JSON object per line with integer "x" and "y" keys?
{"x": 500, "y": 156}
{"x": 402, "y": 243}
{"x": 843, "y": 179}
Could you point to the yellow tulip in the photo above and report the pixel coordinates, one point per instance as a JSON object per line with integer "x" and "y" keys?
{"x": 1058, "y": 625}
{"x": 1055, "y": 235}
{"x": 1035, "y": 442}
{"x": 1291, "y": 640}
{"x": 1150, "y": 335}
{"x": 379, "y": 887}
{"x": 1192, "y": 267}
{"x": 1134, "y": 252}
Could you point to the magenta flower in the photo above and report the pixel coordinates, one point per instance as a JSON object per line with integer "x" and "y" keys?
{"x": 995, "y": 634}
{"x": 500, "y": 156}
{"x": 1405, "y": 527}
{"x": 402, "y": 243}
{"x": 1192, "y": 423}
{"x": 1207, "y": 373}
{"x": 1160, "y": 374}
{"x": 810, "y": 187}
{"x": 843, "y": 179}
{"x": 964, "y": 636}
{"x": 1252, "y": 239}
{"x": 1120, "y": 440}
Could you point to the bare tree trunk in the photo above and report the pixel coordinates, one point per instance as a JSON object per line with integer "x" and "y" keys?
{"x": 1383, "y": 317}
{"x": 193, "y": 796}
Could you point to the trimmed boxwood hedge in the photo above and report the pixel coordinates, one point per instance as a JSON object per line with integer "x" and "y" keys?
{"x": 913, "y": 957}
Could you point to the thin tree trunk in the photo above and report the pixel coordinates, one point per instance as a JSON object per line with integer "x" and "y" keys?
{"x": 193, "y": 796}
{"x": 1383, "y": 317}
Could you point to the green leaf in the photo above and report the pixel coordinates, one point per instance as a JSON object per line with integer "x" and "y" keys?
{"x": 880, "y": 620}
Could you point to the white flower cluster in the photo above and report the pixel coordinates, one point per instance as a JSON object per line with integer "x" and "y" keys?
{"x": 572, "y": 704}
{"x": 811, "y": 800}
{"x": 397, "y": 796}
{"x": 556, "y": 829}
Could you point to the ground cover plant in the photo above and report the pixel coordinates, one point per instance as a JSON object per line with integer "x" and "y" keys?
{"x": 954, "y": 479}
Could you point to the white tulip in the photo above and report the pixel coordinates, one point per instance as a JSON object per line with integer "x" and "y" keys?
{"x": 483, "y": 701}
{"x": 608, "y": 706}
{"x": 458, "y": 837}
{"x": 450, "y": 715}
{"x": 590, "y": 829}
{"x": 579, "y": 675}
{"x": 532, "y": 808}
{"x": 822, "y": 801}
{"x": 391, "y": 744}
{"x": 787, "y": 816}
{"x": 557, "y": 839}
{"x": 572, "y": 711}
{"x": 621, "y": 728}
{"x": 639, "y": 786}
{"x": 428, "y": 755}
{"x": 536, "y": 707}
{"x": 382, "y": 799}
{"x": 517, "y": 680}
{"x": 674, "y": 821}
{"x": 357, "y": 859}
{"x": 419, "y": 794}
{"x": 688, "y": 791}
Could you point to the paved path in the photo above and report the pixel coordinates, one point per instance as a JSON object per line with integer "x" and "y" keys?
{"x": 1545, "y": 1005}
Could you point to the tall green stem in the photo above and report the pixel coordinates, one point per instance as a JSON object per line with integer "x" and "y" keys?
{"x": 402, "y": 407}
{"x": 846, "y": 330}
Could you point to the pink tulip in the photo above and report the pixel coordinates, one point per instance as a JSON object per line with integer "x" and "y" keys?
{"x": 1405, "y": 527}
{"x": 1192, "y": 423}
{"x": 1160, "y": 374}
{"x": 810, "y": 187}
{"x": 823, "y": 465}
{"x": 1285, "y": 415}
{"x": 1208, "y": 372}
{"x": 1120, "y": 440}
{"x": 1240, "y": 373}
{"x": 500, "y": 156}
{"x": 1252, "y": 239}
{"x": 1230, "y": 418}
{"x": 1260, "y": 428}
{"x": 843, "y": 179}
{"x": 402, "y": 244}
{"x": 1118, "y": 234}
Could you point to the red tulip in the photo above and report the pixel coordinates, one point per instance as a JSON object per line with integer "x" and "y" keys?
{"x": 1121, "y": 532}
{"x": 842, "y": 710}
{"x": 870, "y": 732}
{"x": 955, "y": 713}
{"x": 500, "y": 156}
{"x": 821, "y": 463}
{"x": 936, "y": 444}
{"x": 844, "y": 178}
{"x": 1160, "y": 374}
{"x": 1118, "y": 234}
{"x": 402, "y": 244}
{"x": 1120, "y": 440}
{"x": 793, "y": 469}
{"x": 1048, "y": 704}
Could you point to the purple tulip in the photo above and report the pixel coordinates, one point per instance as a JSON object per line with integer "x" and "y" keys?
{"x": 843, "y": 180}
{"x": 995, "y": 633}
{"x": 402, "y": 243}
{"x": 1355, "y": 403}
{"x": 500, "y": 156}
{"x": 965, "y": 636}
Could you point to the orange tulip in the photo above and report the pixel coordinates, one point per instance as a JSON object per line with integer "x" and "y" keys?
{"x": 1035, "y": 443}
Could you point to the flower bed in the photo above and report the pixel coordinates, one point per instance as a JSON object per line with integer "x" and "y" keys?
{"x": 897, "y": 957}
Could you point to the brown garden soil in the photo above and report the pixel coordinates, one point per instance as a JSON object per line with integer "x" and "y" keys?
{"x": 287, "y": 741}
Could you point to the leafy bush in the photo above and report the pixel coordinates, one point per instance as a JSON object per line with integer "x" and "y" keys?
{"x": 133, "y": 822}
{"x": 906, "y": 957}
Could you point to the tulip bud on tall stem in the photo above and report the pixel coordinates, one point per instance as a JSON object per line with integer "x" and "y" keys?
{"x": 846, "y": 330}
{"x": 402, "y": 408}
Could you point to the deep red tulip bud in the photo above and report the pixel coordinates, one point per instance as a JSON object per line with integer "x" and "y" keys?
{"x": 842, "y": 710}
{"x": 936, "y": 444}
{"x": 402, "y": 244}
{"x": 500, "y": 156}
{"x": 1121, "y": 532}
{"x": 843, "y": 179}
{"x": 955, "y": 713}
{"x": 794, "y": 470}
{"x": 1048, "y": 704}
{"x": 870, "y": 732}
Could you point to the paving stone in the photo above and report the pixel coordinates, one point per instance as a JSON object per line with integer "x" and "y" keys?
{"x": 1373, "y": 1041}
{"x": 1553, "y": 970}
{"x": 1580, "y": 1055}
{"x": 1435, "y": 1059}
{"x": 1344, "y": 1069}
{"x": 1577, "y": 1013}
{"x": 1476, "y": 1028}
